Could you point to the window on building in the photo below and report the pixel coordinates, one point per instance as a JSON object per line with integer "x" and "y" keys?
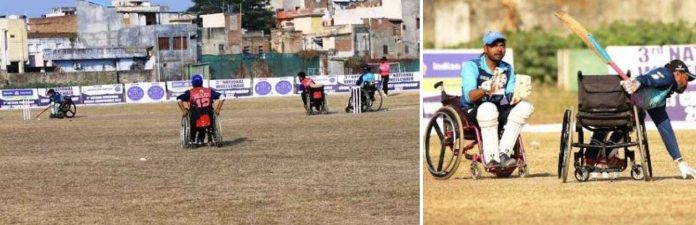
{"x": 406, "y": 49}
{"x": 417, "y": 22}
{"x": 385, "y": 49}
{"x": 180, "y": 43}
{"x": 164, "y": 43}
{"x": 245, "y": 50}
{"x": 403, "y": 27}
{"x": 260, "y": 49}
{"x": 397, "y": 30}
{"x": 221, "y": 47}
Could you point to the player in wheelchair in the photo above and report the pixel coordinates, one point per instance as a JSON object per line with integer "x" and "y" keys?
{"x": 199, "y": 117}
{"x": 60, "y": 106}
{"x": 313, "y": 95}
{"x": 490, "y": 115}
{"x": 489, "y": 83}
{"x": 371, "y": 98}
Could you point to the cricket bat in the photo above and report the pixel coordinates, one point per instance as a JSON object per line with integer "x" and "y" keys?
{"x": 590, "y": 41}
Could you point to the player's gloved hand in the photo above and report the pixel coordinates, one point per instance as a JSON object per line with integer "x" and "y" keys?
{"x": 630, "y": 85}
{"x": 487, "y": 85}
{"x": 686, "y": 170}
{"x": 184, "y": 114}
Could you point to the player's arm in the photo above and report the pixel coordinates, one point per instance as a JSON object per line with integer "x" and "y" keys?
{"x": 469, "y": 75}
{"x": 181, "y": 99}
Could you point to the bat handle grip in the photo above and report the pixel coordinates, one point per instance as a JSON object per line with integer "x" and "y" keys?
{"x": 618, "y": 70}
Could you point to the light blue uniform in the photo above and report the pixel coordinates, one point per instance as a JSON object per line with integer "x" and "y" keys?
{"x": 475, "y": 71}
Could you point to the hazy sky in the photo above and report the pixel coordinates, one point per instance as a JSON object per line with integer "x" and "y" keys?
{"x": 36, "y": 8}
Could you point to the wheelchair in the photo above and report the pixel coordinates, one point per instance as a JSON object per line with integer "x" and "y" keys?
{"x": 66, "y": 109}
{"x": 316, "y": 99}
{"x": 603, "y": 106}
{"x": 371, "y": 98}
{"x": 213, "y": 133}
{"x": 450, "y": 135}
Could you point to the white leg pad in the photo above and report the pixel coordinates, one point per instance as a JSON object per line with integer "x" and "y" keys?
{"x": 518, "y": 117}
{"x": 487, "y": 117}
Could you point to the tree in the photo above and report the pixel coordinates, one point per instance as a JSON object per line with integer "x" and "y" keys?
{"x": 256, "y": 14}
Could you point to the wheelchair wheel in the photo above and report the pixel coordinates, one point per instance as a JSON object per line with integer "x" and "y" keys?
{"x": 325, "y": 106}
{"x": 523, "y": 171}
{"x": 376, "y": 105}
{"x": 443, "y": 143}
{"x": 582, "y": 174}
{"x": 646, "y": 146}
{"x": 217, "y": 131}
{"x": 565, "y": 146}
{"x": 637, "y": 173}
{"x": 308, "y": 105}
{"x": 475, "y": 171}
{"x": 349, "y": 106}
{"x": 69, "y": 110}
{"x": 640, "y": 132}
{"x": 185, "y": 132}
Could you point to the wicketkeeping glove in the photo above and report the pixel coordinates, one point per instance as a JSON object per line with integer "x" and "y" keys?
{"x": 630, "y": 86}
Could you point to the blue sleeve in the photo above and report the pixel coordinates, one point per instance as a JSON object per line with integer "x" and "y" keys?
{"x": 301, "y": 87}
{"x": 657, "y": 78}
{"x": 469, "y": 76}
{"x": 184, "y": 97}
{"x": 511, "y": 82}
{"x": 360, "y": 80}
{"x": 216, "y": 95}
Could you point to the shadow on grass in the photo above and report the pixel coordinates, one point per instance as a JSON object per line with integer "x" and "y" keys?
{"x": 235, "y": 142}
{"x": 515, "y": 175}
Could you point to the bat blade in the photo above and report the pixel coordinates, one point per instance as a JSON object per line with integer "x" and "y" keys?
{"x": 590, "y": 41}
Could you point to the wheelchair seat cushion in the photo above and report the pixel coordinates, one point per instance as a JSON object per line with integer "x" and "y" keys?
{"x": 605, "y": 119}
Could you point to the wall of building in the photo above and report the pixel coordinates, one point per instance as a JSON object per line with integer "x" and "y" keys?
{"x": 411, "y": 34}
{"x": 389, "y": 9}
{"x": 83, "y": 78}
{"x": 382, "y": 34}
{"x": 448, "y": 23}
{"x": 97, "y": 25}
{"x": 16, "y": 34}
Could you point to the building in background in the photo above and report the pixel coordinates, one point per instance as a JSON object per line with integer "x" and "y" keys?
{"x": 13, "y": 44}
{"x": 47, "y": 34}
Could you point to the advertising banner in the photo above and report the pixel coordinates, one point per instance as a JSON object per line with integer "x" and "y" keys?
{"x": 17, "y": 98}
{"x": 146, "y": 92}
{"x": 102, "y": 94}
{"x": 231, "y": 88}
{"x": 275, "y": 86}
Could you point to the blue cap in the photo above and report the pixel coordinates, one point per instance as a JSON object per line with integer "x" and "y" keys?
{"x": 491, "y": 36}
{"x": 197, "y": 80}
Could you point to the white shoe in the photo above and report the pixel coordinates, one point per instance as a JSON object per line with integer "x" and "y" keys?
{"x": 685, "y": 170}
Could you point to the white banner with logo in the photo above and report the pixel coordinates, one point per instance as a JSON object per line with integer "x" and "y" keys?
{"x": 275, "y": 86}
{"x": 231, "y": 88}
{"x": 102, "y": 94}
{"x": 146, "y": 92}
{"x": 16, "y": 98}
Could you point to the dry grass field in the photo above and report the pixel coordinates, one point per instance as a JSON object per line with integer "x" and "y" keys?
{"x": 277, "y": 166}
{"x": 541, "y": 198}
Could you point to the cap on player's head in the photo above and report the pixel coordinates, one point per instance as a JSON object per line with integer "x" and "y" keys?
{"x": 384, "y": 59}
{"x": 365, "y": 68}
{"x": 301, "y": 75}
{"x": 678, "y": 65}
{"x": 490, "y": 37}
{"x": 50, "y": 91}
{"x": 197, "y": 80}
